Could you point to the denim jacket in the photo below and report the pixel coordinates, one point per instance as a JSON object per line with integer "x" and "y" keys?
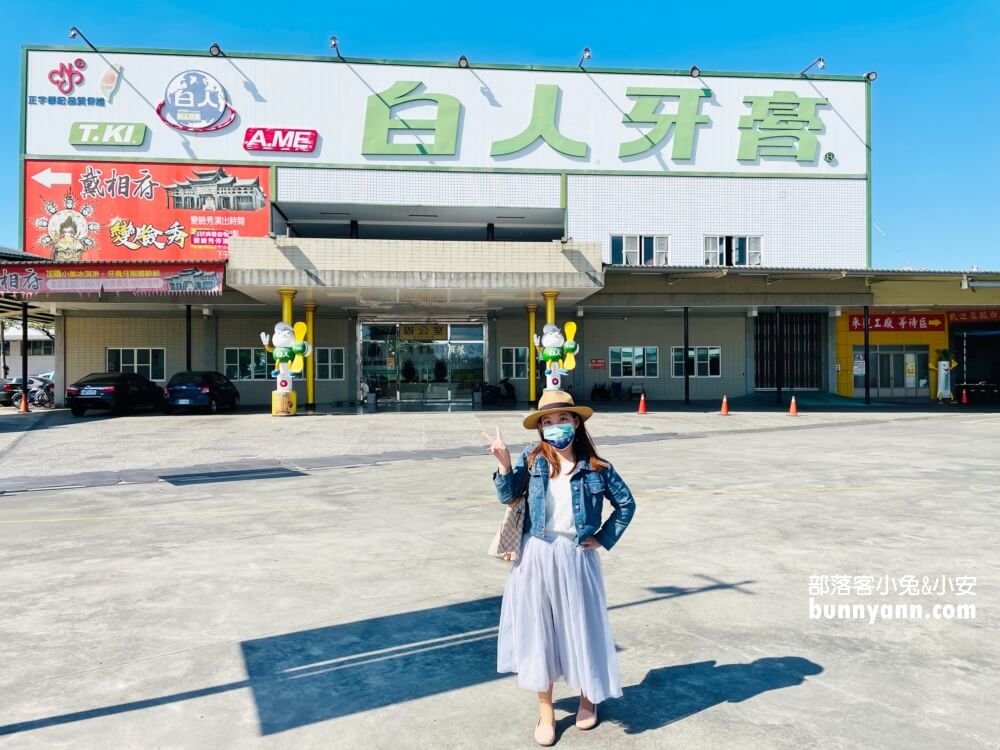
{"x": 588, "y": 486}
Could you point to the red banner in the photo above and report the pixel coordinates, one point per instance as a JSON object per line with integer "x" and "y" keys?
{"x": 974, "y": 316}
{"x": 598, "y": 364}
{"x": 95, "y": 278}
{"x": 113, "y": 211}
{"x": 905, "y": 322}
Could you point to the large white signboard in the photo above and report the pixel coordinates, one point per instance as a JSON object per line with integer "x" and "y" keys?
{"x": 225, "y": 110}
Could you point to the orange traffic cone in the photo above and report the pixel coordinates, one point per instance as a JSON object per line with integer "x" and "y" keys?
{"x": 725, "y": 406}
{"x": 24, "y": 403}
{"x": 642, "y": 403}
{"x": 965, "y": 398}
{"x": 793, "y": 410}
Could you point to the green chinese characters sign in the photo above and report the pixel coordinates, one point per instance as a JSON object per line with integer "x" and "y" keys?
{"x": 782, "y": 125}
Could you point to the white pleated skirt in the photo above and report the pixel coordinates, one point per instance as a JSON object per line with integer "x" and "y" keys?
{"x": 554, "y": 621}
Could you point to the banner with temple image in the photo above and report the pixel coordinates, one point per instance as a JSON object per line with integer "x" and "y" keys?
{"x": 85, "y": 211}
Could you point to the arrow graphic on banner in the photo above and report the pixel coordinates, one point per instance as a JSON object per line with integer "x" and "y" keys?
{"x": 934, "y": 322}
{"x": 48, "y": 178}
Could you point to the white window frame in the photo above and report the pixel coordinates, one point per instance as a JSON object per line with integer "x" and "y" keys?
{"x": 508, "y": 359}
{"x": 645, "y": 358}
{"x": 632, "y": 248}
{"x": 237, "y": 349}
{"x": 135, "y": 360}
{"x": 330, "y": 364}
{"x": 716, "y": 257}
{"x": 708, "y": 361}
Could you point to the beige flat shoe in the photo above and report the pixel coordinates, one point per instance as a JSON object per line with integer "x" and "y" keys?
{"x": 545, "y": 734}
{"x": 586, "y": 719}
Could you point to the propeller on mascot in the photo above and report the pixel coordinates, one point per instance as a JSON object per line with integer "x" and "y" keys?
{"x": 570, "y": 347}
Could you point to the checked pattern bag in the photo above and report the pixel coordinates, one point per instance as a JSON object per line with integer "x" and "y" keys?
{"x": 506, "y": 544}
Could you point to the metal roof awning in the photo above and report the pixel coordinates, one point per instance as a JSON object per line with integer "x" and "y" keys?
{"x": 414, "y": 276}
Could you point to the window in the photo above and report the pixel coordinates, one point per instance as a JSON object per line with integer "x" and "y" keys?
{"x": 634, "y": 361}
{"x": 329, "y": 363}
{"x": 702, "y": 361}
{"x": 150, "y": 363}
{"x": 732, "y": 251}
{"x": 639, "y": 250}
{"x": 248, "y": 363}
{"x": 514, "y": 362}
{"x": 40, "y": 348}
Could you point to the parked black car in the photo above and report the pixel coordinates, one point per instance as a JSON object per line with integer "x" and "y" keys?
{"x": 200, "y": 389}
{"x": 118, "y": 392}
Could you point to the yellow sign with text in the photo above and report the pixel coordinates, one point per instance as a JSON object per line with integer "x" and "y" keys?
{"x": 423, "y": 332}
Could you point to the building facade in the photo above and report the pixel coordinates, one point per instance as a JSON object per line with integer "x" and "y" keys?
{"x": 707, "y": 231}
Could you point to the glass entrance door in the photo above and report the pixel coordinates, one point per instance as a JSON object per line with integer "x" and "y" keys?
{"x": 423, "y": 361}
{"x": 896, "y": 372}
{"x": 423, "y": 371}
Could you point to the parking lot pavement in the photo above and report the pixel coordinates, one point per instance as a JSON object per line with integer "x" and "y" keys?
{"x": 93, "y": 450}
{"x": 345, "y": 606}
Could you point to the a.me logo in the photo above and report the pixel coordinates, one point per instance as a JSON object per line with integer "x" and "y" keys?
{"x": 280, "y": 139}
{"x": 196, "y": 102}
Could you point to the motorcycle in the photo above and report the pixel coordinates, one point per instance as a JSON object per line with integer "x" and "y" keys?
{"x": 43, "y": 395}
{"x": 501, "y": 392}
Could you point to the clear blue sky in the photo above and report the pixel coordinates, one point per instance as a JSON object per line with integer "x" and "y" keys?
{"x": 935, "y": 105}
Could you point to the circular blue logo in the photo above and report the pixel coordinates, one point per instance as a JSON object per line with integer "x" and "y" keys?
{"x": 196, "y": 101}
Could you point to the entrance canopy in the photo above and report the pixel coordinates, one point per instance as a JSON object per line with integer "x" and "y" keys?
{"x": 414, "y": 278}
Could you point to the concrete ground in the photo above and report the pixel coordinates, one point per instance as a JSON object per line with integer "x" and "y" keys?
{"x": 239, "y": 581}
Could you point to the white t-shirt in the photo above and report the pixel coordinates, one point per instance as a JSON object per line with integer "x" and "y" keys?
{"x": 559, "y": 503}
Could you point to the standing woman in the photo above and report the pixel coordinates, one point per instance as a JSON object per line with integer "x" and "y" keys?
{"x": 554, "y": 617}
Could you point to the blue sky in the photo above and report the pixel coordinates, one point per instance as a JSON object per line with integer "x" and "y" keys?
{"x": 935, "y": 105}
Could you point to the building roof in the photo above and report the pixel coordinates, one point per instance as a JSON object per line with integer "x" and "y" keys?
{"x": 883, "y": 274}
{"x": 217, "y": 176}
{"x": 34, "y": 334}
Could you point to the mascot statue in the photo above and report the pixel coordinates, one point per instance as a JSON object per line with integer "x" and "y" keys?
{"x": 288, "y": 348}
{"x": 558, "y": 352}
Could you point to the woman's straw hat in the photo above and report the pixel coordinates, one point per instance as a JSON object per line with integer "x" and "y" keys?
{"x": 556, "y": 401}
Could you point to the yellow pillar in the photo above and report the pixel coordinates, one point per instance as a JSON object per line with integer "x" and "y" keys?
{"x": 287, "y": 295}
{"x": 550, "y": 306}
{"x": 532, "y": 355}
{"x": 284, "y": 404}
{"x": 310, "y": 308}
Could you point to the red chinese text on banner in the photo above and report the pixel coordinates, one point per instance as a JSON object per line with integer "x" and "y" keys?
{"x": 900, "y": 322}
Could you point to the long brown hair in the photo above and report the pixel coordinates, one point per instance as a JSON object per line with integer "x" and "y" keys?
{"x": 583, "y": 447}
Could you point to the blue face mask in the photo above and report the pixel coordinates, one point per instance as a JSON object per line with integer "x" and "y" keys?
{"x": 559, "y": 435}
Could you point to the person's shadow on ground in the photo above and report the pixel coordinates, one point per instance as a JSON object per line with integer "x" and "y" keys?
{"x": 668, "y": 694}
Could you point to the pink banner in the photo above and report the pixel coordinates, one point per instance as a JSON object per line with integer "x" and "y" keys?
{"x": 95, "y": 278}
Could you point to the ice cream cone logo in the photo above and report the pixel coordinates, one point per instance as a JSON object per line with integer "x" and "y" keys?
{"x": 110, "y": 80}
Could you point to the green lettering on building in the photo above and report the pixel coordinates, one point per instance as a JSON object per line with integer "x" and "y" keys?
{"x": 380, "y": 125}
{"x": 786, "y": 126}
{"x": 107, "y": 134}
{"x": 545, "y": 125}
{"x": 684, "y": 120}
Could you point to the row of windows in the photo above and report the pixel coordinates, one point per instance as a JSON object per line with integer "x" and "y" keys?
{"x": 242, "y": 363}
{"x": 654, "y": 250}
{"x": 36, "y": 348}
{"x": 630, "y": 362}
{"x": 256, "y": 363}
